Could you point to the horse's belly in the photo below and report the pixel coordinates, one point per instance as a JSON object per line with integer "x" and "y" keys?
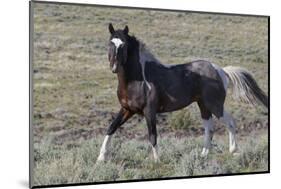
{"x": 171, "y": 108}
{"x": 172, "y": 104}
{"x": 178, "y": 94}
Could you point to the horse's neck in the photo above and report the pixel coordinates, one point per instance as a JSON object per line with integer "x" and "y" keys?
{"x": 122, "y": 79}
{"x": 131, "y": 71}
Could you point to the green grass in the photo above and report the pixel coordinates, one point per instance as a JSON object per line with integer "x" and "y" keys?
{"x": 75, "y": 93}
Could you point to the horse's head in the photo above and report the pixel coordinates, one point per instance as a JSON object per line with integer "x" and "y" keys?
{"x": 118, "y": 47}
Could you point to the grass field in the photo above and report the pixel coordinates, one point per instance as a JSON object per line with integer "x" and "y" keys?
{"x": 75, "y": 94}
{"x": 179, "y": 157}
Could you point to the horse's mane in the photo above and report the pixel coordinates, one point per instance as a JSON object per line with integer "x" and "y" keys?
{"x": 145, "y": 56}
{"x": 143, "y": 49}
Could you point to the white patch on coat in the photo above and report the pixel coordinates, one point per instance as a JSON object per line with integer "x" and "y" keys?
{"x": 222, "y": 75}
{"x": 145, "y": 56}
{"x": 231, "y": 125}
{"x": 104, "y": 148}
{"x": 209, "y": 127}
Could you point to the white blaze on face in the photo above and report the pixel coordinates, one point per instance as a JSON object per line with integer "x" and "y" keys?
{"x": 117, "y": 42}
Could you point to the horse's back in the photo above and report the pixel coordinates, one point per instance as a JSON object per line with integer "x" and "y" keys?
{"x": 179, "y": 85}
{"x": 202, "y": 68}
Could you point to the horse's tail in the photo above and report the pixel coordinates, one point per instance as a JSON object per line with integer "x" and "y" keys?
{"x": 245, "y": 87}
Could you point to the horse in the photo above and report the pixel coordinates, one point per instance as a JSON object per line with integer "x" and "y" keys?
{"x": 147, "y": 87}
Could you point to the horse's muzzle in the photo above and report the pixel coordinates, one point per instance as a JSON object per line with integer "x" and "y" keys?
{"x": 114, "y": 68}
{"x": 113, "y": 65}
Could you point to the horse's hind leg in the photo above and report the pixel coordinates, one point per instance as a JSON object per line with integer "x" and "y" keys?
{"x": 231, "y": 125}
{"x": 208, "y": 124}
{"x": 121, "y": 118}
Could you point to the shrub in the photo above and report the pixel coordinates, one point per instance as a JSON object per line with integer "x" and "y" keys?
{"x": 133, "y": 159}
{"x": 105, "y": 172}
{"x": 182, "y": 119}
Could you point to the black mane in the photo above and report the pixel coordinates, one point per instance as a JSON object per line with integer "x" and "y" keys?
{"x": 133, "y": 43}
{"x": 132, "y": 66}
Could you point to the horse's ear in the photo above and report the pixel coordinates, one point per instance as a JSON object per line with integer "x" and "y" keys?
{"x": 110, "y": 28}
{"x": 126, "y": 30}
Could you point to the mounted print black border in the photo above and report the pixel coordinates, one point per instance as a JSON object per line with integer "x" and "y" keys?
{"x": 31, "y": 157}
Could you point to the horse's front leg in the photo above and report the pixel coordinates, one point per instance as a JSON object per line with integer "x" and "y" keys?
{"x": 150, "y": 117}
{"x": 121, "y": 118}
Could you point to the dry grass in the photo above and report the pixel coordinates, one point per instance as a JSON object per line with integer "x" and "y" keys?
{"x": 133, "y": 160}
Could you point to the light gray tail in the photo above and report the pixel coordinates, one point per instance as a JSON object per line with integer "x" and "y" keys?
{"x": 245, "y": 87}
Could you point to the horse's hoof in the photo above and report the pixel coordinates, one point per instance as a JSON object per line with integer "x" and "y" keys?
{"x": 205, "y": 152}
{"x": 233, "y": 149}
{"x": 101, "y": 159}
{"x": 99, "y": 162}
{"x": 156, "y": 160}
{"x": 236, "y": 154}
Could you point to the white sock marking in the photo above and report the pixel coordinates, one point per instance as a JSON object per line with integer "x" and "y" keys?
{"x": 209, "y": 126}
{"x": 204, "y": 152}
{"x": 229, "y": 121}
{"x": 104, "y": 148}
{"x": 155, "y": 153}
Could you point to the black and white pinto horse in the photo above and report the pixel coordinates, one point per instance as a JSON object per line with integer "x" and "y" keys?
{"x": 147, "y": 87}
